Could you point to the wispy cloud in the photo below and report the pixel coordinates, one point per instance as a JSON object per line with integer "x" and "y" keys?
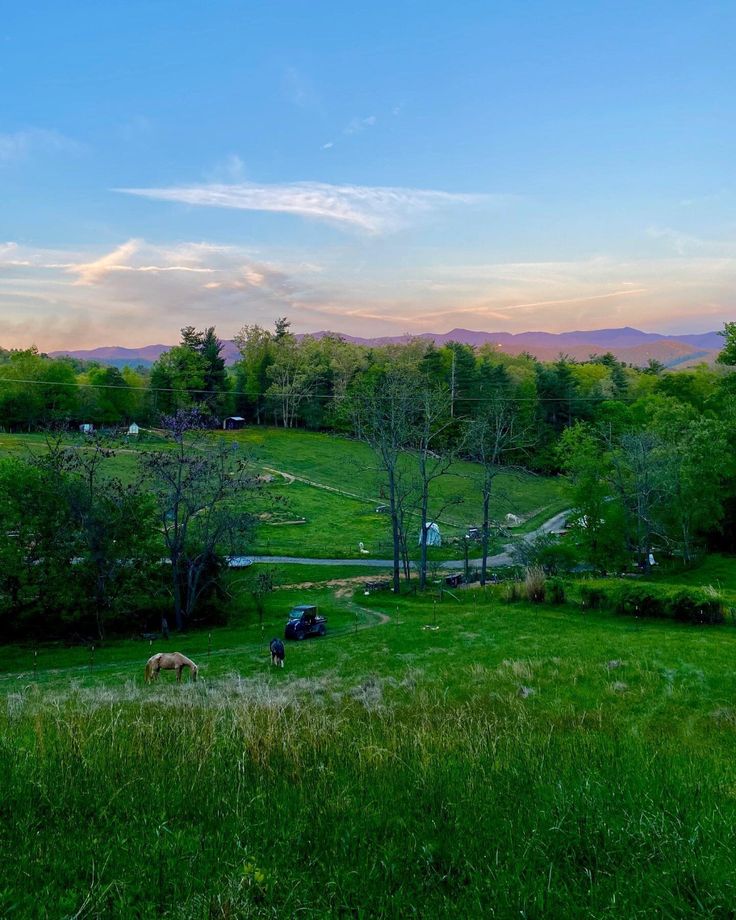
{"x": 374, "y": 209}
{"x": 682, "y": 243}
{"x": 139, "y": 292}
{"x": 121, "y": 260}
{"x": 19, "y": 144}
{"x": 356, "y": 125}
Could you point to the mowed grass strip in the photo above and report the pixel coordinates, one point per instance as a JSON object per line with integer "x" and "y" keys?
{"x": 515, "y": 760}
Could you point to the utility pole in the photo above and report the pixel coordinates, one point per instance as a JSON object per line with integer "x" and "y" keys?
{"x": 452, "y": 385}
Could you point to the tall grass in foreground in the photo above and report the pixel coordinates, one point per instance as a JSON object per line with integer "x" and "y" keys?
{"x": 227, "y": 803}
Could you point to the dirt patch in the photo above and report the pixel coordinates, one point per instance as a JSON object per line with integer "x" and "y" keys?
{"x": 287, "y": 476}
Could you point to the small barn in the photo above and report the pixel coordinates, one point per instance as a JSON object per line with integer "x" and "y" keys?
{"x": 233, "y": 422}
{"x": 133, "y": 429}
{"x": 86, "y": 428}
{"x": 434, "y": 537}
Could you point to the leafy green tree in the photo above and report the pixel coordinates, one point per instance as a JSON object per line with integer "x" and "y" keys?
{"x": 114, "y": 525}
{"x": 293, "y": 379}
{"x": 106, "y": 397}
{"x": 36, "y": 552}
{"x": 255, "y": 345}
{"x": 728, "y": 352}
{"x": 192, "y": 374}
{"x": 177, "y": 380}
{"x": 698, "y": 463}
{"x": 599, "y": 520}
{"x": 36, "y": 390}
{"x": 215, "y": 398}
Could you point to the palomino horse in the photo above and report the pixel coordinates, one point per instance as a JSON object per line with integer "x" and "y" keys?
{"x": 277, "y": 652}
{"x": 169, "y": 661}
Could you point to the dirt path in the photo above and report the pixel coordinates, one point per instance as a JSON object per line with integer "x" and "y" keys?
{"x": 134, "y": 666}
{"x": 500, "y": 559}
{"x": 290, "y": 477}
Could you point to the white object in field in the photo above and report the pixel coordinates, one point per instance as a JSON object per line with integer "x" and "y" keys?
{"x": 434, "y": 537}
{"x": 133, "y": 429}
{"x": 362, "y": 548}
{"x": 513, "y": 519}
{"x": 652, "y": 560}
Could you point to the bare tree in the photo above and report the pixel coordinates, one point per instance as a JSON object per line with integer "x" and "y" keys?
{"x": 433, "y": 458}
{"x": 196, "y": 483}
{"x": 384, "y": 418}
{"x": 493, "y": 438}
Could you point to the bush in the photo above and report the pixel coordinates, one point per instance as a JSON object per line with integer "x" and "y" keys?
{"x": 593, "y": 597}
{"x": 535, "y": 583}
{"x": 556, "y": 591}
{"x": 703, "y": 606}
{"x": 640, "y": 601}
{"x": 689, "y": 605}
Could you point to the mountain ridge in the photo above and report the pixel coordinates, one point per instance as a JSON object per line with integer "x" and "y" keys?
{"x": 628, "y": 344}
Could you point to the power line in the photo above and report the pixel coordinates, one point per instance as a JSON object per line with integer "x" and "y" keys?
{"x": 282, "y": 393}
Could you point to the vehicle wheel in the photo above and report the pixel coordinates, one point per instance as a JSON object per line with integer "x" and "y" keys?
{"x": 322, "y": 631}
{"x": 301, "y": 635}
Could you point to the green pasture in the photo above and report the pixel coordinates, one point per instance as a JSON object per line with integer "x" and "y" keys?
{"x": 432, "y": 757}
{"x": 338, "y": 500}
{"x": 351, "y": 467}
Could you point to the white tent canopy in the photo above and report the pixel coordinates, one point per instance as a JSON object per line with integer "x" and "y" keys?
{"x": 434, "y": 537}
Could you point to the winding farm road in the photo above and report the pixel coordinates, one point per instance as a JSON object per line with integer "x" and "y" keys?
{"x": 500, "y": 559}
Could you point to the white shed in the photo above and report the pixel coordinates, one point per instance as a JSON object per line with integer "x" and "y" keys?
{"x": 133, "y": 429}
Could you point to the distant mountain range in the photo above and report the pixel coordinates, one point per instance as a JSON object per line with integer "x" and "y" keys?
{"x": 627, "y": 344}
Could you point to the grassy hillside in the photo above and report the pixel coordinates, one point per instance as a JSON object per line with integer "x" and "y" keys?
{"x": 516, "y": 761}
{"x": 336, "y": 491}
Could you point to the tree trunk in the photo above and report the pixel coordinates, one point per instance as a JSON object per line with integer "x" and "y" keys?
{"x": 485, "y": 536}
{"x": 395, "y": 531}
{"x": 176, "y": 591}
{"x": 423, "y": 539}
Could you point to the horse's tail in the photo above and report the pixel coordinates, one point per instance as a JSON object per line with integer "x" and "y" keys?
{"x": 148, "y": 673}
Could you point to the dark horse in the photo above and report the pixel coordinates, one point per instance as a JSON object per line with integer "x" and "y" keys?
{"x": 277, "y": 652}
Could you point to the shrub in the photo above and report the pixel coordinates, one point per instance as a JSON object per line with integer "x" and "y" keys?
{"x": 640, "y": 601}
{"x": 690, "y": 605}
{"x": 593, "y": 597}
{"x": 535, "y": 583}
{"x": 556, "y": 590}
{"x": 704, "y": 605}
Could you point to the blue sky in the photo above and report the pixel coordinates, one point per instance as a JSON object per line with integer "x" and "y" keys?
{"x": 371, "y": 168}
